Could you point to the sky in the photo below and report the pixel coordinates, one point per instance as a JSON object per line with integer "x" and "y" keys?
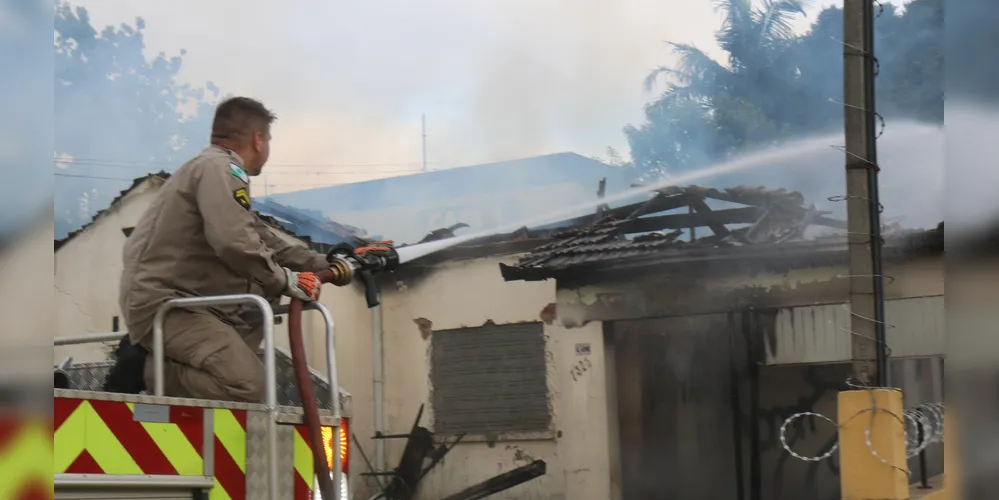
{"x": 496, "y": 79}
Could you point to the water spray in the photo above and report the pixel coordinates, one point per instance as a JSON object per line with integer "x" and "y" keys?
{"x": 747, "y": 162}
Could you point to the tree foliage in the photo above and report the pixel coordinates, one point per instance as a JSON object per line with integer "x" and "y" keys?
{"x": 118, "y": 114}
{"x": 776, "y": 85}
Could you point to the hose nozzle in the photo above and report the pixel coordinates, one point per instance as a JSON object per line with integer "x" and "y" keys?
{"x": 346, "y": 262}
{"x": 341, "y": 271}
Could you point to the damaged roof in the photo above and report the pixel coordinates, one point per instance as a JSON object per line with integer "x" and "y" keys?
{"x": 769, "y": 219}
{"x": 138, "y": 181}
{"x": 163, "y": 176}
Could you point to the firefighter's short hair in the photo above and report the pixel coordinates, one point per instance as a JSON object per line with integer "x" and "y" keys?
{"x": 238, "y": 118}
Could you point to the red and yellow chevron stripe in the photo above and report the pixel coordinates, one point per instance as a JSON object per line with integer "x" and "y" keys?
{"x": 25, "y": 458}
{"x": 304, "y": 468}
{"x": 103, "y": 437}
{"x": 106, "y": 437}
{"x": 230, "y": 455}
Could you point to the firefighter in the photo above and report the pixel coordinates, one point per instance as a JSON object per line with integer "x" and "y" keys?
{"x": 199, "y": 238}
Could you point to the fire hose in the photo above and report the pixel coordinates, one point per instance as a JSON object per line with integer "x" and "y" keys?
{"x": 346, "y": 265}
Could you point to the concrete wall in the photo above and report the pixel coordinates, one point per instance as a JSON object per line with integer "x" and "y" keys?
{"x": 687, "y": 293}
{"x": 469, "y": 293}
{"x": 87, "y": 270}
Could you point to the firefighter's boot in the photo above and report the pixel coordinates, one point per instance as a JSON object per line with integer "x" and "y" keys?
{"x": 127, "y": 374}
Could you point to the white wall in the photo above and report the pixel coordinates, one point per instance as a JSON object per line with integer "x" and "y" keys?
{"x": 87, "y": 270}
{"x": 466, "y": 294}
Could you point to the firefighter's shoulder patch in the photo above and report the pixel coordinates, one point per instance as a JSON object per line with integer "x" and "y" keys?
{"x": 242, "y": 197}
{"x": 238, "y": 173}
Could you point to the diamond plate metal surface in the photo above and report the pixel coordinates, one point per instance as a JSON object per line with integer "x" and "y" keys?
{"x": 256, "y": 458}
{"x": 286, "y": 462}
{"x": 256, "y": 455}
{"x": 90, "y": 377}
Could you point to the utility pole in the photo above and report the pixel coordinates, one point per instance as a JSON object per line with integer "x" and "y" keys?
{"x": 423, "y": 127}
{"x": 863, "y": 208}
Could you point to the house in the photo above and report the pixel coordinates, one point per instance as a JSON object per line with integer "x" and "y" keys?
{"x": 485, "y": 197}
{"x": 703, "y": 348}
{"x": 620, "y": 354}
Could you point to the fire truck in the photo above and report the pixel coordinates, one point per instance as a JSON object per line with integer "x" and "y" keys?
{"x": 109, "y": 445}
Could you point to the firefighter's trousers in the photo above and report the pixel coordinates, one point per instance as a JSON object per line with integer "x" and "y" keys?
{"x": 207, "y": 358}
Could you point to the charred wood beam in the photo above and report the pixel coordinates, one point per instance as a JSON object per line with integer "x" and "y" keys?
{"x": 502, "y": 482}
{"x": 701, "y": 207}
{"x": 673, "y": 201}
{"x": 750, "y": 197}
{"x": 410, "y": 469}
{"x": 746, "y": 215}
{"x": 603, "y": 207}
{"x": 662, "y": 203}
{"x": 762, "y": 201}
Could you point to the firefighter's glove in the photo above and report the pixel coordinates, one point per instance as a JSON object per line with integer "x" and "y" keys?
{"x": 302, "y": 286}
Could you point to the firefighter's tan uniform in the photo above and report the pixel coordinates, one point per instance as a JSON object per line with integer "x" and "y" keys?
{"x": 199, "y": 238}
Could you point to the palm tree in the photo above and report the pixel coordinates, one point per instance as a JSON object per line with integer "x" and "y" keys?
{"x": 710, "y": 108}
{"x": 759, "y": 67}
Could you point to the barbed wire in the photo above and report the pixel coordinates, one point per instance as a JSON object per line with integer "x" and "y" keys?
{"x": 923, "y": 425}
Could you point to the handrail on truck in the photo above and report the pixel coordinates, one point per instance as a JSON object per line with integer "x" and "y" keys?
{"x": 270, "y": 366}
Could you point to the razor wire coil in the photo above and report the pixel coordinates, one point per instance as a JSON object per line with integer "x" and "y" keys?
{"x": 923, "y": 425}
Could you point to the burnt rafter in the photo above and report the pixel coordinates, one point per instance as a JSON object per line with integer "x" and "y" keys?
{"x": 746, "y": 215}
{"x": 767, "y": 216}
{"x": 765, "y": 210}
{"x": 716, "y": 226}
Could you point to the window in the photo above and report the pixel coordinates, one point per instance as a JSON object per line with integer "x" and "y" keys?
{"x": 490, "y": 380}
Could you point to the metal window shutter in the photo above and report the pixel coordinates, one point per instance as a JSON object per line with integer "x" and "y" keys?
{"x": 490, "y": 380}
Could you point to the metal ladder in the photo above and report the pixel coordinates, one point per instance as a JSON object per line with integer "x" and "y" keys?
{"x": 270, "y": 398}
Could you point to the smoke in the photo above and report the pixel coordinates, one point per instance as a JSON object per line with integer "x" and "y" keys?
{"x": 497, "y": 80}
{"x": 911, "y": 179}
